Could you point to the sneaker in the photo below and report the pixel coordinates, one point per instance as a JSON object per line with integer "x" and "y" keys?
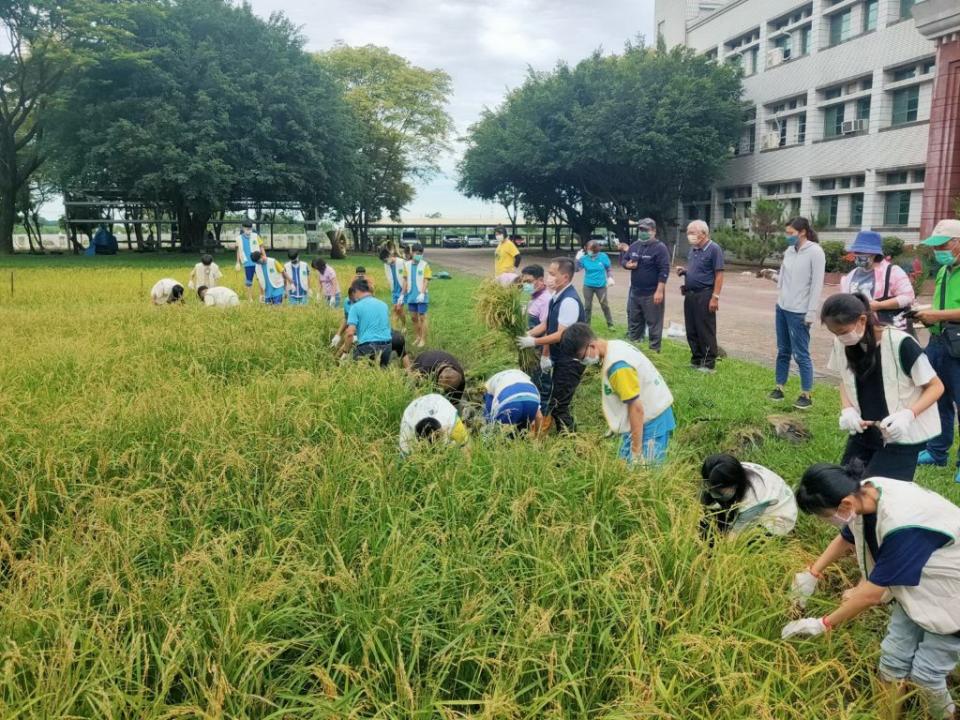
{"x": 775, "y": 394}
{"x": 925, "y": 458}
{"x": 803, "y": 403}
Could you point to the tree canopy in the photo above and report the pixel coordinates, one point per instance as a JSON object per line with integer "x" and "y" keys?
{"x": 610, "y": 138}
{"x": 403, "y": 128}
{"x": 204, "y": 103}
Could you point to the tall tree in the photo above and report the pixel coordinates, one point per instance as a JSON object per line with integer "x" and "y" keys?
{"x": 404, "y": 128}
{"x": 207, "y": 104}
{"x": 42, "y": 42}
{"x": 610, "y": 138}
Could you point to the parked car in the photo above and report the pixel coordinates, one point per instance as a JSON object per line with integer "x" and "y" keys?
{"x": 474, "y": 241}
{"x": 408, "y": 234}
{"x": 452, "y": 241}
{"x": 608, "y": 242}
{"x": 490, "y": 240}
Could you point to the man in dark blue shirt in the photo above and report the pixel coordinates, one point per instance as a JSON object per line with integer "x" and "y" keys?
{"x": 649, "y": 264}
{"x": 703, "y": 281}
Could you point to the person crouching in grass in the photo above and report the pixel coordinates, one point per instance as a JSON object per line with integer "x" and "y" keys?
{"x": 166, "y": 291}
{"x": 217, "y": 296}
{"x": 368, "y": 325}
{"x": 511, "y": 400}
{"x": 271, "y": 276}
{"x": 636, "y": 401}
{"x": 428, "y": 419}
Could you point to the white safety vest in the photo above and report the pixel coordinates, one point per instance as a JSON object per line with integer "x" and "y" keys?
{"x": 770, "y": 496}
{"x": 654, "y": 393}
{"x": 432, "y": 405}
{"x": 273, "y": 272}
{"x": 508, "y": 378}
{"x": 161, "y": 292}
{"x": 299, "y": 273}
{"x": 205, "y": 275}
{"x": 416, "y": 281}
{"x": 220, "y": 297}
{"x": 934, "y": 604}
{"x": 898, "y": 387}
{"x": 392, "y": 271}
{"x": 247, "y": 245}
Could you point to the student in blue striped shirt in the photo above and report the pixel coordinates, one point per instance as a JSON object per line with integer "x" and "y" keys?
{"x": 510, "y": 398}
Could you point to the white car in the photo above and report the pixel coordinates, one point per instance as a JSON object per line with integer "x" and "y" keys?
{"x": 474, "y": 241}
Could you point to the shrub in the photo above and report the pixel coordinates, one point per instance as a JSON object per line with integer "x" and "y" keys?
{"x": 834, "y": 251}
{"x": 747, "y": 247}
{"x": 892, "y": 246}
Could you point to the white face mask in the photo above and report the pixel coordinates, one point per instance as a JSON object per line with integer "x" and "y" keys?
{"x": 849, "y": 339}
{"x": 840, "y": 521}
{"x": 588, "y": 360}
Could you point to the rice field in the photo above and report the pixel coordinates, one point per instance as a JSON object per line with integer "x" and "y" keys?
{"x": 203, "y": 515}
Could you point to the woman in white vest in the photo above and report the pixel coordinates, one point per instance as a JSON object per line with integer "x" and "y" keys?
{"x": 904, "y": 538}
{"x": 430, "y": 418}
{"x": 635, "y": 398}
{"x": 738, "y": 494}
{"x": 888, "y": 390}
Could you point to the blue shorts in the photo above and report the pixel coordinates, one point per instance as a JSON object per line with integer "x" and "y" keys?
{"x": 298, "y": 300}
{"x": 249, "y": 271}
{"x": 656, "y": 438}
{"x": 395, "y": 297}
{"x": 418, "y": 308}
{"x": 273, "y": 299}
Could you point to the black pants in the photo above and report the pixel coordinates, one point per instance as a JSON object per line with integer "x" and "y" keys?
{"x": 566, "y": 377}
{"x": 371, "y": 350}
{"x": 644, "y": 317}
{"x": 878, "y": 460}
{"x": 701, "y": 327}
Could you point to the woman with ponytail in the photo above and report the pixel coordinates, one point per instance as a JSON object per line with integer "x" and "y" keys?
{"x": 888, "y": 392}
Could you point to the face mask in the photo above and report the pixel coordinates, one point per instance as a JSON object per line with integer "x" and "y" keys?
{"x": 850, "y": 339}
{"x": 944, "y": 257}
{"x": 862, "y": 261}
{"x": 417, "y": 258}
{"x": 724, "y": 494}
{"x": 499, "y": 238}
{"x": 694, "y": 240}
{"x": 588, "y": 361}
{"x": 644, "y": 236}
{"x": 838, "y": 520}
{"x": 792, "y": 240}
{"x": 528, "y": 288}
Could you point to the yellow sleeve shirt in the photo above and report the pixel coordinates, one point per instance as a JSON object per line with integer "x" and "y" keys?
{"x": 625, "y": 381}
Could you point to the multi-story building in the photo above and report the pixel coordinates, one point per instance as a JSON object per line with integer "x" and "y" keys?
{"x": 840, "y": 95}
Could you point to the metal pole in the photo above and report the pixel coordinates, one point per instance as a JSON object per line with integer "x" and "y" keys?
{"x": 11, "y": 283}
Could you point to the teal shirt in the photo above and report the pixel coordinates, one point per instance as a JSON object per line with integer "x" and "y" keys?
{"x": 371, "y": 318}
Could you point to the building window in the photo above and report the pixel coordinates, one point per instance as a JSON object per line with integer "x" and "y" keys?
{"x": 753, "y": 138}
{"x": 856, "y": 210}
{"x": 896, "y": 209}
{"x": 905, "y": 7}
{"x": 870, "y": 15}
{"x": 828, "y": 184}
{"x": 920, "y": 176}
{"x": 832, "y": 93}
{"x": 783, "y": 133}
{"x": 840, "y": 27}
{"x": 833, "y": 121}
{"x": 906, "y": 103}
{"x": 905, "y": 73}
{"x": 928, "y": 67}
{"x": 897, "y": 178}
{"x": 728, "y": 211}
{"x": 805, "y": 41}
{"x": 863, "y": 109}
{"x": 827, "y": 208}
{"x": 784, "y": 43}
{"x": 801, "y": 128}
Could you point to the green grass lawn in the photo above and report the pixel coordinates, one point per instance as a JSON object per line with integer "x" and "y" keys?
{"x": 203, "y": 515}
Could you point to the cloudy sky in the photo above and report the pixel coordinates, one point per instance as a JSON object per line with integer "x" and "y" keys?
{"x": 485, "y": 46}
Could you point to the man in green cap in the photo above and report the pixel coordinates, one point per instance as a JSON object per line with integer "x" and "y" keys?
{"x": 943, "y": 350}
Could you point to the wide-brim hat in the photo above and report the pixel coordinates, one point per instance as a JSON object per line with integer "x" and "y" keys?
{"x": 943, "y": 233}
{"x": 867, "y": 242}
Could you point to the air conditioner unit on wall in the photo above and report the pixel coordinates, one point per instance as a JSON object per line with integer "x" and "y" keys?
{"x": 775, "y": 57}
{"x": 854, "y": 126}
{"x": 770, "y": 140}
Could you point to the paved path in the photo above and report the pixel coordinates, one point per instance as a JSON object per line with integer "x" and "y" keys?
{"x": 745, "y": 324}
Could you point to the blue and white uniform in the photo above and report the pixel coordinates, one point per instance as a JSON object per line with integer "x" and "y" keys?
{"x": 299, "y": 291}
{"x": 511, "y": 398}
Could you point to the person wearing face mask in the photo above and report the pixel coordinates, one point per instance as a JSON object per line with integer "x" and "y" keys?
{"x": 596, "y": 275}
{"x": 298, "y": 289}
{"x": 535, "y": 286}
{"x": 248, "y": 242}
{"x": 416, "y": 283}
{"x": 506, "y": 256}
{"x": 703, "y": 282}
{"x": 636, "y": 401}
{"x": 649, "y": 264}
{"x": 736, "y": 495}
{"x": 564, "y": 310}
{"x": 799, "y": 283}
{"x": 886, "y": 285}
{"x": 904, "y": 540}
{"x": 393, "y": 269}
{"x": 943, "y": 350}
{"x": 888, "y": 390}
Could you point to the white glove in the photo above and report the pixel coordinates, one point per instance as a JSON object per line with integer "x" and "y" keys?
{"x": 804, "y": 585}
{"x": 611, "y": 282}
{"x": 850, "y": 421}
{"x": 894, "y": 427}
{"x": 332, "y": 301}
{"x": 546, "y": 364}
{"x": 345, "y": 358}
{"x": 421, "y": 298}
{"x": 525, "y": 342}
{"x": 806, "y": 626}
{"x": 238, "y": 267}
{"x": 335, "y": 342}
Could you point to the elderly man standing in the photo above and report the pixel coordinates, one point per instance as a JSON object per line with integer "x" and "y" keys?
{"x": 703, "y": 281}
{"x": 649, "y": 264}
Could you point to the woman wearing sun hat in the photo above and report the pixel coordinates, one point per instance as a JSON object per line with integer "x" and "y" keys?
{"x": 943, "y": 350}
{"x": 885, "y": 285}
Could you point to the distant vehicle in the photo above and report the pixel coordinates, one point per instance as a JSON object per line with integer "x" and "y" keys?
{"x": 490, "y": 240}
{"x": 474, "y": 241}
{"x": 606, "y": 241}
{"x": 452, "y": 241}
{"x": 409, "y": 243}
{"x": 408, "y": 234}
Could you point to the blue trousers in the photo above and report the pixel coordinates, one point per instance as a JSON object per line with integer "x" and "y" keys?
{"x": 793, "y": 340}
{"x": 948, "y": 369}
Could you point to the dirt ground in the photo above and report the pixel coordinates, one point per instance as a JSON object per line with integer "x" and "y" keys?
{"x": 745, "y": 323}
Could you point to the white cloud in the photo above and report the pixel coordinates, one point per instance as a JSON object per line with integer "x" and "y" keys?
{"x": 485, "y": 45}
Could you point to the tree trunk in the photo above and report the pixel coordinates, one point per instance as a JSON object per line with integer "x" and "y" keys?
{"x": 191, "y": 227}
{"x": 8, "y": 218}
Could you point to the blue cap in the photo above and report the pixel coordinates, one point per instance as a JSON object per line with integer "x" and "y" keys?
{"x": 867, "y": 242}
